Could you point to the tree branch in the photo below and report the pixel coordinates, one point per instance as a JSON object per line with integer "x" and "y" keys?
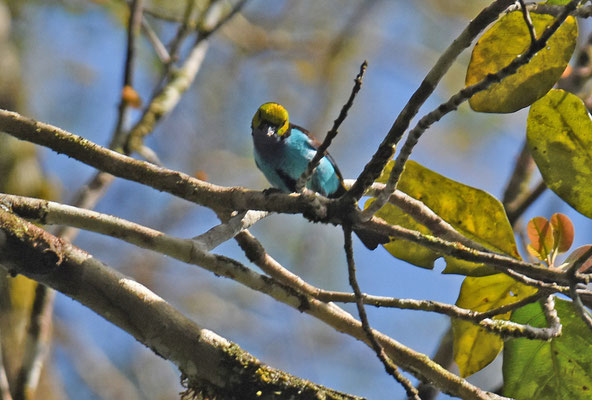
{"x": 36, "y": 254}
{"x": 456, "y": 100}
{"x": 216, "y": 197}
{"x": 389, "y": 366}
{"x": 207, "y": 359}
{"x": 373, "y": 169}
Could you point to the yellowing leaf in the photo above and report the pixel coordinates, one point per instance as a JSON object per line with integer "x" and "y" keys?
{"x": 559, "y": 134}
{"x": 473, "y": 212}
{"x": 474, "y": 347}
{"x": 501, "y": 44}
{"x": 403, "y": 249}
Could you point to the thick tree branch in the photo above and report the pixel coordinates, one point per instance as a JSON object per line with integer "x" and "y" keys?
{"x": 50, "y": 213}
{"x": 207, "y": 359}
{"x": 47, "y": 259}
{"x": 316, "y": 208}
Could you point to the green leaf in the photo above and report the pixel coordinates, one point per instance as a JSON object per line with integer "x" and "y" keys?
{"x": 559, "y": 134}
{"x": 474, "y": 347}
{"x": 504, "y": 41}
{"x": 557, "y": 369}
{"x": 473, "y": 212}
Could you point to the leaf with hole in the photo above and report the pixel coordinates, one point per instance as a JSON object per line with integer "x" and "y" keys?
{"x": 472, "y": 212}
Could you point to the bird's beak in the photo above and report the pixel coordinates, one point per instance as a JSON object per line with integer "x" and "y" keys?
{"x": 270, "y": 131}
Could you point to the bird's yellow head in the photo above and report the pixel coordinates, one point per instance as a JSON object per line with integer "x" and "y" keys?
{"x": 274, "y": 115}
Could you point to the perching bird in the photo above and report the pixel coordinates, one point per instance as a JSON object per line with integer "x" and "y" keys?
{"x": 283, "y": 151}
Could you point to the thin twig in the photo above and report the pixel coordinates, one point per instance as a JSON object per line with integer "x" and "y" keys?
{"x": 373, "y": 169}
{"x": 389, "y": 366}
{"x": 455, "y": 101}
{"x": 159, "y": 48}
{"x": 552, "y": 9}
{"x": 528, "y": 21}
{"x": 36, "y": 343}
{"x": 422, "y": 214}
{"x": 522, "y": 204}
{"x": 133, "y": 29}
{"x": 182, "y": 31}
{"x": 321, "y": 151}
{"x": 518, "y": 183}
{"x": 331, "y": 59}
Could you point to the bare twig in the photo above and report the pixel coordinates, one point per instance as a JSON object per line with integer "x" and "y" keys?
{"x": 159, "y": 48}
{"x": 552, "y": 9}
{"x": 133, "y": 29}
{"x": 456, "y": 100}
{"x": 528, "y": 21}
{"x": 36, "y": 343}
{"x": 523, "y": 203}
{"x": 518, "y": 182}
{"x": 185, "y": 27}
{"x": 373, "y": 169}
{"x": 389, "y": 366}
{"x": 422, "y": 214}
{"x": 321, "y": 151}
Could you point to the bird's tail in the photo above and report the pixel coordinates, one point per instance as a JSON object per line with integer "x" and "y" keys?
{"x": 371, "y": 239}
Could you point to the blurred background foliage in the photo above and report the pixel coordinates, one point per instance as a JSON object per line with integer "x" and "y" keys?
{"x": 62, "y": 63}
